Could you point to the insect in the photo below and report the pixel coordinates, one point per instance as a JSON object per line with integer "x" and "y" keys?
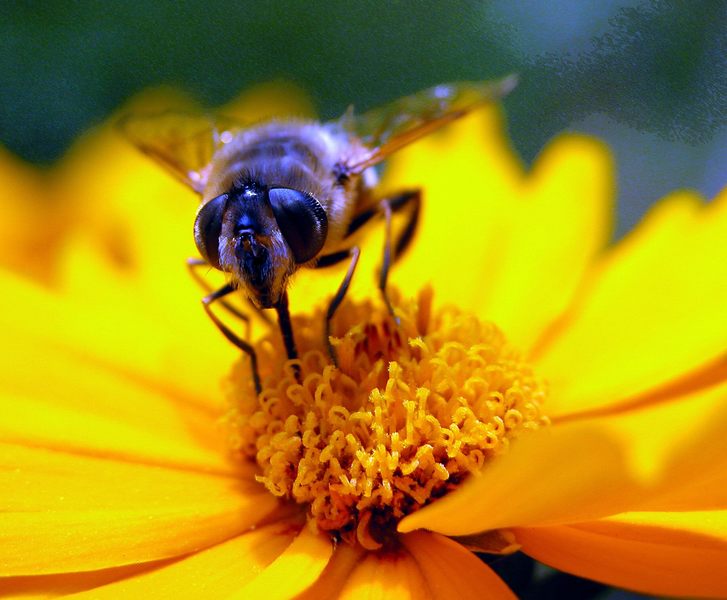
{"x": 283, "y": 195}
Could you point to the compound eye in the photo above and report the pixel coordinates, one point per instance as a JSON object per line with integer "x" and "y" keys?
{"x": 302, "y": 221}
{"x": 207, "y": 229}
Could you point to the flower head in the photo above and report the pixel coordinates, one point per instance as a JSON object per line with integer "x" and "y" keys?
{"x": 551, "y": 394}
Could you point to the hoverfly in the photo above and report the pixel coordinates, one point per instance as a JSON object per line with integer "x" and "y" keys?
{"x": 281, "y": 195}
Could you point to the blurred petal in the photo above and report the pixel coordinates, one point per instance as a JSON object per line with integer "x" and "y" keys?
{"x": 269, "y": 100}
{"x": 291, "y": 573}
{"x": 32, "y": 221}
{"x": 687, "y": 439}
{"x": 579, "y": 471}
{"x": 669, "y": 554}
{"x": 511, "y": 246}
{"x": 652, "y": 311}
{"x": 66, "y": 512}
{"x": 217, "y": 572}
{"x": 451, "y": 571}
{"x": 469, "y": 177}
{"x": 563, "y": 220}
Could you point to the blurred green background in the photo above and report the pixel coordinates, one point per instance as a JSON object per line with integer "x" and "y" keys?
{"x": 648, "y": 77}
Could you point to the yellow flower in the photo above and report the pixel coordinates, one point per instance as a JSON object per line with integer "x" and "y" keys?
{"x": 117, "y": 479}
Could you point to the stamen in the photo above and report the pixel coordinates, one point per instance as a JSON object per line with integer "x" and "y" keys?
{"x": 411, "y": 411}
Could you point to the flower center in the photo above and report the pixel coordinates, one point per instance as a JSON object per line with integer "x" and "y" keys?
{"x": 411, "y": 411}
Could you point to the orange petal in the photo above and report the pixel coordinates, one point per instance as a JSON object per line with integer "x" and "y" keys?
{"x": 65, "y": 512}
{"x": 334, "y": 577}
{"x": 217, "y": 572}
{"x": 665, "y": 554}
{"x": 652, "y": 311}
{"x": 664, "y": 456}
{"x": 37, "y": 587}
{"x": 687, "y": 442}
{"x": 382, "y": 575}
{"x": 451, "y": 571}
{"x": 547, "y": 476}
{"x": 291, "y": 573}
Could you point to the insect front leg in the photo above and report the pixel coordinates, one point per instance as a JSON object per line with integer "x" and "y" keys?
{"x": 194, "y": 263}
{"x": 286, "y": 330}
{"x": 229, "y": 334}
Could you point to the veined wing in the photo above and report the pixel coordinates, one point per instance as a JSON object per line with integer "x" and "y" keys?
{"x": 183, "y": 143}
{"x": 387, "y": 129}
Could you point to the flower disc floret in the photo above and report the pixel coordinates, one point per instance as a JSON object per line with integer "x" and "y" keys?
{"x": 412, "y": 410}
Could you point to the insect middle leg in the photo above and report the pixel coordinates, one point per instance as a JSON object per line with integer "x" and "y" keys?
{"x": 354, "y": 253}
{"x": 387, "y": 206}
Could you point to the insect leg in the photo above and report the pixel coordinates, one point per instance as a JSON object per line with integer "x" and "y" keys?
{"x": 332, "y": 259}
{"x": 286, "y": 329}
{"x": 194, "y": 263}
{"x": 408, "y": 198}
{"x": 354, "y": 253}
{"x": 397, "y": 203}
{"x": 229, "y": 334}
{"x": 384, "y": 273}
{"x": 405, "y": 237}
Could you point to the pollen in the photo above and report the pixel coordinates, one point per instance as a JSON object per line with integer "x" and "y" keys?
{"x": 412, "y": 409}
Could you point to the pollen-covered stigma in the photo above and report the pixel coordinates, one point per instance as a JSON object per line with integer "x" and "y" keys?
{"x": 411, "y": 411}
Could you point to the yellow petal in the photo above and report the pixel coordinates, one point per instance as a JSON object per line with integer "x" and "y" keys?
{"x": 663, "y": 456}
{"x": 652, "y": 311}
{"x": 155, "y": 433}
{"x": 60, "y": 397}
{"x": 669, "y": 554}
{"x": 217, "y": 572}
{"x": 291, "y": 573}
{"x": 122, "y": 333}
{"x": 451, "y": 571}
{"x": 385, "y": 575}
{"x": 65, "y": 512}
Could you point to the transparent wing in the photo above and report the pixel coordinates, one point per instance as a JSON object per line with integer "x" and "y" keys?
{"x": 389, "y": 128}
{"x": 183, "y": 143}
